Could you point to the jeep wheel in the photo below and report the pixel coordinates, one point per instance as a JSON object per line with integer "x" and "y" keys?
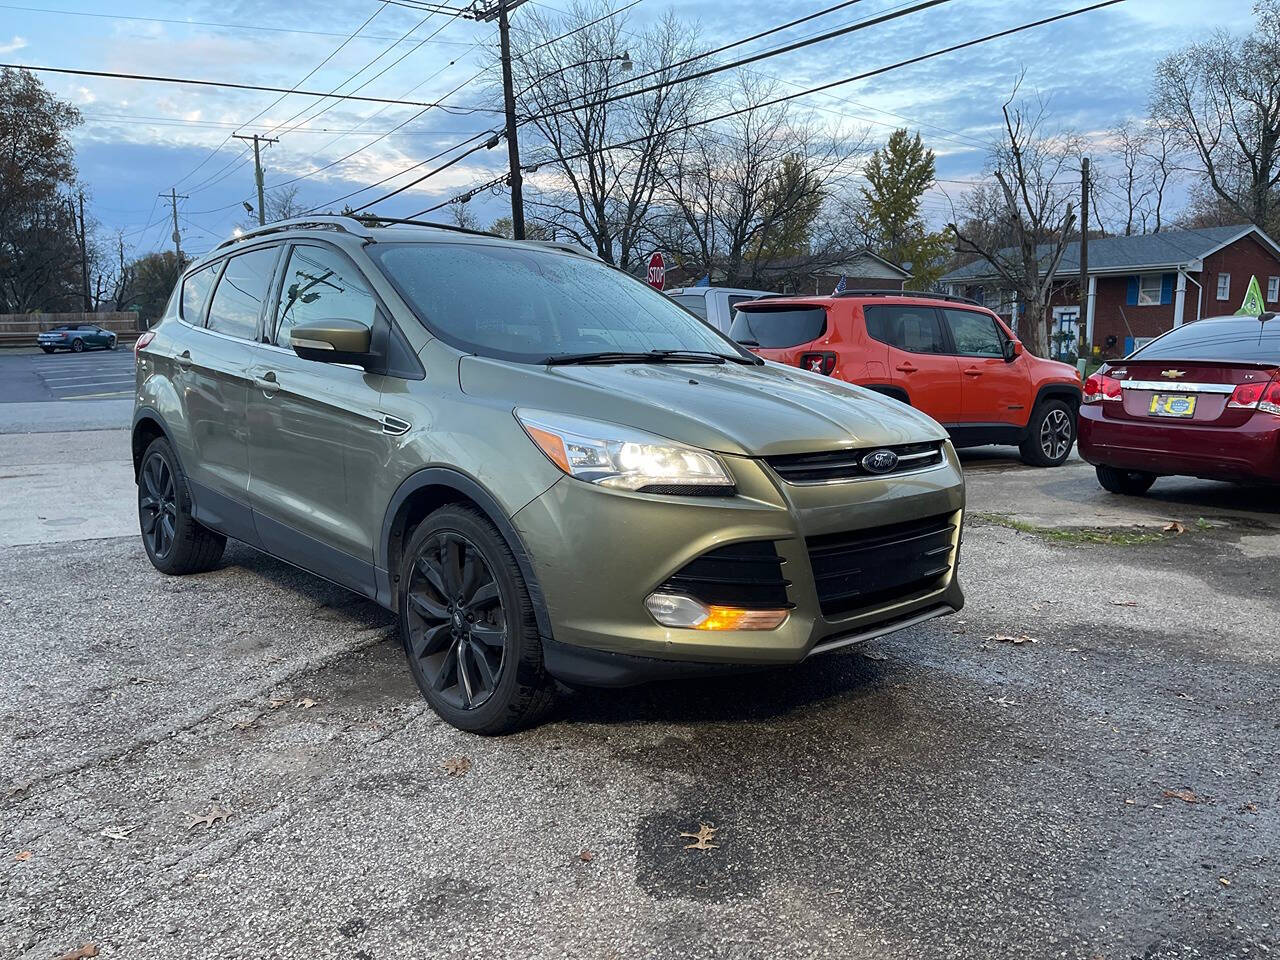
{"x": 1133, "y": 483}
{"x": 174, "y": 541}
{"x": 468, "y": 625}
{"x": 1050, "y": 435}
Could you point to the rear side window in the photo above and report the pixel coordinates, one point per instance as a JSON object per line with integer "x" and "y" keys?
{"x": 322, "y": 284}
{"x": 1229, "y": 338}
{"x": 694, "y": 304}
{"x": 195, "y": 294}
{"x": 914, "y": 329}
{"x": 975, "y": 334}
{"x": 780, "y": 326}
{"x": 238, "y": 299}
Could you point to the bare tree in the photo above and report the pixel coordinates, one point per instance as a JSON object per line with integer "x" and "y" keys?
{"x": 599, "y": 161}
{"x": 1223, "y": 98}
{"x": 1035, "y": 173}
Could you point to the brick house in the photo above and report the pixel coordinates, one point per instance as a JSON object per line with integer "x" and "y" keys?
{"x": 1140, "y": 286}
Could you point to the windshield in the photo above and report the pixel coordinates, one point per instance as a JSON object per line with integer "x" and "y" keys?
{"x": 530, "y": 305}
{"x": 1225, "y": 338}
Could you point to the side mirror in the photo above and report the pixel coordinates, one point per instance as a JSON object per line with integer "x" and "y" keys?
{"x": 1012, "y": 350}
{"x": 332, "y": 341}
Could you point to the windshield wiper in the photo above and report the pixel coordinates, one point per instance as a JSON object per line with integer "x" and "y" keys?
{"x": 647, "y": 356}
{"x": 711, "y": 356}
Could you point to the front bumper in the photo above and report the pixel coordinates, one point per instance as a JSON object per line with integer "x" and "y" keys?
{"x": 1249, "y": 452}
{"x": 598, "y": 553}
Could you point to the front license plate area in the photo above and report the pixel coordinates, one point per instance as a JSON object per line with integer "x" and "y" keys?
{"x": 1180, "y": 405}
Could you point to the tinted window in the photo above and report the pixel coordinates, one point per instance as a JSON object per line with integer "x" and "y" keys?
{"x": 195, "y": 293}
{"x": 779, "y": 327}
{"x": 975, "y": 334}
{"x": 694, "y": 304}
{"x": 527, "y": 305}
{"x": 1228, "y": 338}
{"x": 322, "y": 284}
{"x": 238, "y": 299}
{"x": 914, "y": 329}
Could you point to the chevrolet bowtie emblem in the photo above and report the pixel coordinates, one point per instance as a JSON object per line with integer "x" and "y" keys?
{"x": 1173, "y": 374}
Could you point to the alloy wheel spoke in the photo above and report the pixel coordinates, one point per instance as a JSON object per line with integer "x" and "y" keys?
{"x": 429, "y": 567}
{"x": 430, "y": 640}
{"x": 483, "y": 596}
{"x": 427, "y": 608}
{"x": 486, "y": 676}
{"x": 464, "y": 676}
{"x": 490, "y": 636}
{"x": 448, "y": 667}
{"x": 451, "y": 562}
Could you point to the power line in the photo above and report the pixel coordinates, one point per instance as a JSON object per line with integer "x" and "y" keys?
{"x": 910, "y": 61}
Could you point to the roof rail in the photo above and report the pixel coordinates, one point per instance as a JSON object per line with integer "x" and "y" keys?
{"x": 908, "y": 293}
{"x": 345, "y": 224}
{"x": 564, "y": 246}
{"x": 369, "y": 219}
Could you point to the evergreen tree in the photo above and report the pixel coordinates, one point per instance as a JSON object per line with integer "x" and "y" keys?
{"x": 898, "y": 174}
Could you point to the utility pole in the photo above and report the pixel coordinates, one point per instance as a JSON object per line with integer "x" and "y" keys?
{"x": 173, "y": 199}
{"x": 513, "y": 147}
{"x": 1083, "y": 319}
{"x": 257, "y": 171}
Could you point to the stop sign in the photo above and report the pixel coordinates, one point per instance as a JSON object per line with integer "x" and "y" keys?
{"x": 657, "y": 272}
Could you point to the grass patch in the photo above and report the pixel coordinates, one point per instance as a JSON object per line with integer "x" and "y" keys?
{"x": 1120, "y": 536}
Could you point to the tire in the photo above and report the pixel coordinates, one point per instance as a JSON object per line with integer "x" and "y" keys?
{"x": 468, "y": 625}
{"x": 47, "y": 349}
{"x": 77, "y": 346}
{"x": 111, "y": 344}
{"x": 1131, "y": 483}
{"x": 1051, "y": 433}
{"x": 174, "y": 541}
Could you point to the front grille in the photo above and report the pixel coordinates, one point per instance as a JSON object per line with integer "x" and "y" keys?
{"x": 868, "y": 568}
{"x": 847, "y": 464}
{"x": 747, "y": 575}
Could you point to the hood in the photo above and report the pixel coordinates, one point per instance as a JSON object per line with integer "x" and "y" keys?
{"x": 753, "y": 411}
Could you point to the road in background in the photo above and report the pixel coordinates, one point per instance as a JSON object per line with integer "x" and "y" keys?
{"x": 27, "y": 376}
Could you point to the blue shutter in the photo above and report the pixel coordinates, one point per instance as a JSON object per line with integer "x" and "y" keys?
{"x": 1131, "y": 298}
{"x": 1166, "y": 288}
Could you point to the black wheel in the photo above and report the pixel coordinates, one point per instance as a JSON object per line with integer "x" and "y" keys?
{"x": 1133, "y": 483}
{"x": 77, "y": 345}
{"x": 47, "y": 349}
{"x": 111, "y": 344}
{"x": 468, "y": 625}
{"x": 174, "y": 541}
{"x": 1051, "y": 433}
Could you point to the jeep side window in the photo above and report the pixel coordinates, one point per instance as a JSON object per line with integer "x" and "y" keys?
{"x": 195, "y": 293}
{"x": 238, "y": 299}
{"x": 975, "y": 334}
{"x": 321, "y": 284}
{"x": 914, "y": 329}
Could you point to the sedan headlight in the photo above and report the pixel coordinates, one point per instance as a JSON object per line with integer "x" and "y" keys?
{"x": 616, "y": 456}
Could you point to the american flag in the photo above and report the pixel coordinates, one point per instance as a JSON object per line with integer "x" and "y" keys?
{"x": 839, "y": 287}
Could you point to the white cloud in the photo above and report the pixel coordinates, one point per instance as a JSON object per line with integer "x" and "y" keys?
{"x": 14, "y": 45}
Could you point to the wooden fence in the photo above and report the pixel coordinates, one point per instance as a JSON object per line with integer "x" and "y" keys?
{"x": 19, "y": 330}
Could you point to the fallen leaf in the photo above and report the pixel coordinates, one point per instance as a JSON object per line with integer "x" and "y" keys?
{"x": 1249, "y": 808}
{"x": 244, "y": 724}
{"x": 1124, "y": 603}
{"x": 1224, "y": 881}
{"x": 117, "y": 833}
{"x": 276, "y": 704}
{"x": 1186, "y": 796}
{"x": 209, "y": 819}
{"x": 702, "y": 839}
{"x": 80, "y": 953}
{"x": 1005, "y": 638}
{"x": 456, "y": 766}
{"x": 22, "y": 856}
{"x": 586, "y": 856}
{"x": 1173, "y": 526}
{"x": 306, "y": 703}
{"x": 142, "y": 680}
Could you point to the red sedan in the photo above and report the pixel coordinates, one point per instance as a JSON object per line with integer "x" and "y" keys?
{"x": 1202, "y": 401}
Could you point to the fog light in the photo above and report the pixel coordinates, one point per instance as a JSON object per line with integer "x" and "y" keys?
{"x": 677, "y": 610}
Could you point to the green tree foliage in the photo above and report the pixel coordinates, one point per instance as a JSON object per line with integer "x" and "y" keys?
{"x": 898, "y": 174}
{"x": 153, "y": 278}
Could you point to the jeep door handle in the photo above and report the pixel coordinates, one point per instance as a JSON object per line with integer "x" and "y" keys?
{"x": 267, "y": 383}
{"x": 906, "y": 368}
{"x": 973, "y": 372}
{"x": 184, "y": 359}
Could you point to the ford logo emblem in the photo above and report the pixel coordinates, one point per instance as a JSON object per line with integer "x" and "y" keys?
{"x": 880, "y": 461}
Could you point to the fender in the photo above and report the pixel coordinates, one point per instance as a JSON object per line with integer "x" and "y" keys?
{"x": 1072, "y": 393}
{"x": 884, "y": 389}
{"x": 150, "y": 413}
{"x": 461, "y": 483}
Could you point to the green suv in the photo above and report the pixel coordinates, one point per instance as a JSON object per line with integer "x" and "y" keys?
{"x": 550, "y": 471}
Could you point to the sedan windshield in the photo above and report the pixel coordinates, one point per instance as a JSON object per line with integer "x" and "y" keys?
{"x": 539, "y": 306}
{"x": 1222, "y": 338}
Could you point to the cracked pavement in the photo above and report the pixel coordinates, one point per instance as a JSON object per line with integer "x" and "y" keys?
{"x": 935, "y": 794}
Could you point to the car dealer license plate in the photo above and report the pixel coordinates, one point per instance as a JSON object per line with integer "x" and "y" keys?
{"x": 1172, "y": 405}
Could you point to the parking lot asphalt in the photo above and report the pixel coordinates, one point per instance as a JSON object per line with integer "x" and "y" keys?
{"x": 1105, "y": 788}
{"x": 31, "y": 375}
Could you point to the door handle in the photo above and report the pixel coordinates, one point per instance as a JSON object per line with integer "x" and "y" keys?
{"x": 906, "y": 368}
{"x": 973, "y": 372}
{"x": 184, "y": 358}
{"x": 267, "y": 383}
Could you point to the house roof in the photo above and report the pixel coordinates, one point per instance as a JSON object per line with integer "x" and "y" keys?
{"x": 1168, "y": 249}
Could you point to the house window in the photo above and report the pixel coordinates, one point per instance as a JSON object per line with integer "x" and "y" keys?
{"x": 1224, "y": 286}
{"x": 1149, "y": 290}
{"x": 1273, "y": 289}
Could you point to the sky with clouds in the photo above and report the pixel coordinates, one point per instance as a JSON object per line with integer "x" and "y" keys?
{"x": 139, "y": 139}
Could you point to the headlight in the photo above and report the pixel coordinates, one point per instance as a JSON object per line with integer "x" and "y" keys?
{"x": 616, "y": 456}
